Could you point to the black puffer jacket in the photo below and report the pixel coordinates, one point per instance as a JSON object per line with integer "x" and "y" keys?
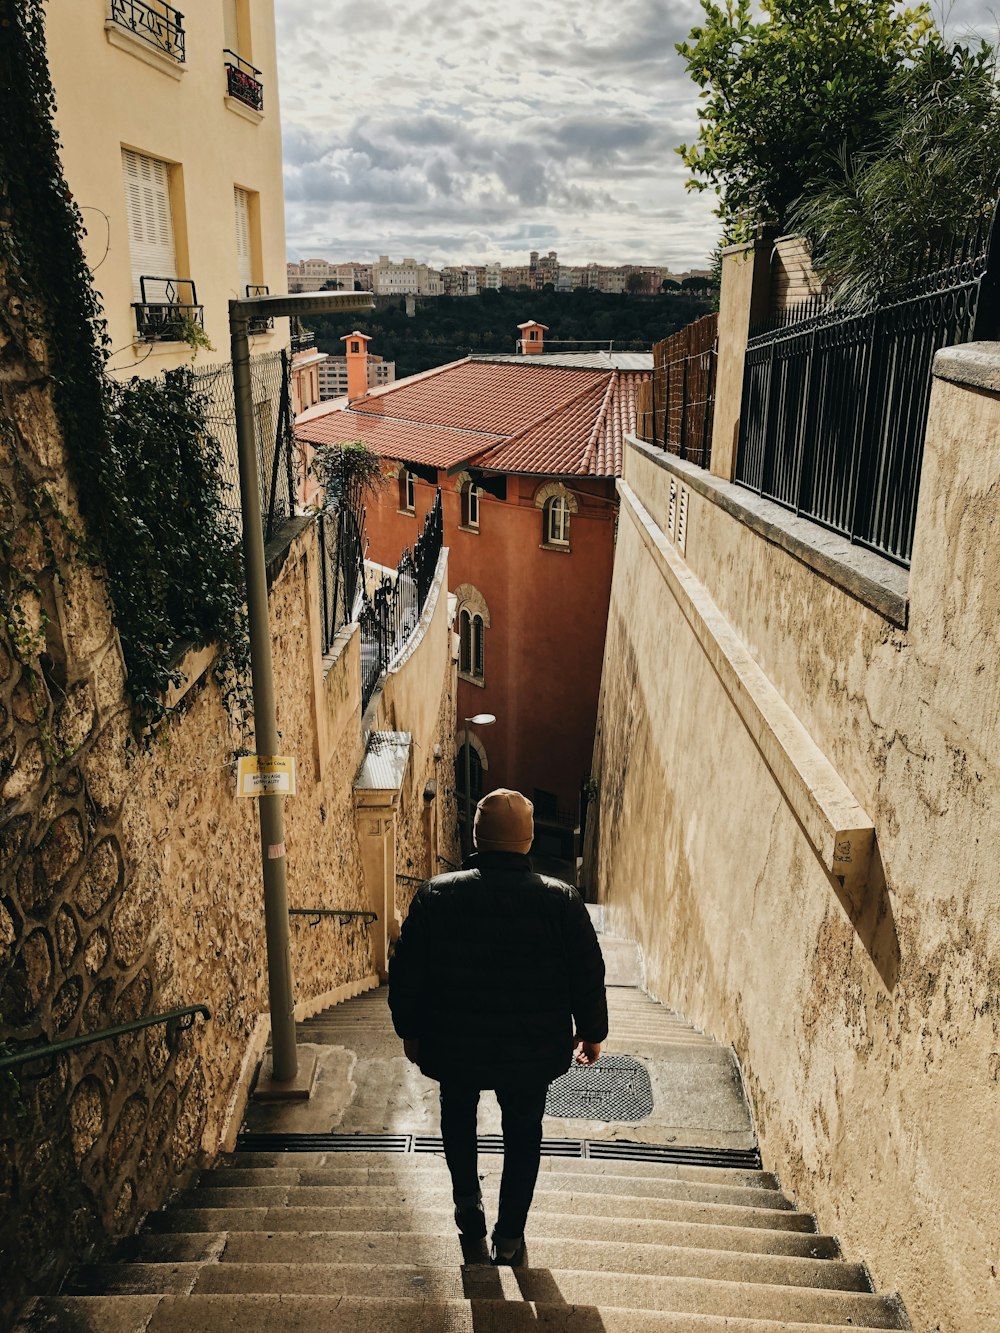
{"x": 492, "y": 968}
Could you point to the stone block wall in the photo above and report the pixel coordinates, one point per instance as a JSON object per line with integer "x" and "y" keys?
{"x": 130, "y": 885}
{"x": 864, "y": 1015}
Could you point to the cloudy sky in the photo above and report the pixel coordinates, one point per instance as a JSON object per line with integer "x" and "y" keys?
{"x": 455, "y": 131}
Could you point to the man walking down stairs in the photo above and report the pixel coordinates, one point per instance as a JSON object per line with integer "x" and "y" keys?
{"x": 651, "y": 1213}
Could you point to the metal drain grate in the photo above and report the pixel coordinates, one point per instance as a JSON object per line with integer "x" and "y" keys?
{"x": 324, "y": 1143}
{"x": 747, "y": 1159}
{"x": 493, "y": 1143}
{"x": 617, "y": 1088}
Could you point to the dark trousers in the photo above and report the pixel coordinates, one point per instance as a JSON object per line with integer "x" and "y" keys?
{"x": 521, "y": 1110}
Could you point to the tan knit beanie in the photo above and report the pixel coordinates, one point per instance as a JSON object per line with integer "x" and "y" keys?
{"x": 504, "y": 822}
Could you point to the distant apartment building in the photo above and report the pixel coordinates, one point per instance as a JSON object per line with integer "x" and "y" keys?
{"x": 460, "y": 281}
{"x": 333, "y": 375}
{"x": 407, "y": 278}
{"x": 311, "y": 275}
{"x": 489, "y": 277}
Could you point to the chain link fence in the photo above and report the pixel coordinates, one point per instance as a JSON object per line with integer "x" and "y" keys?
{"x": 269, "y": 378}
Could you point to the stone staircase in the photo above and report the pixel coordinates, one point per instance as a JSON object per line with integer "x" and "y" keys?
{"x": 365, "y": 1240}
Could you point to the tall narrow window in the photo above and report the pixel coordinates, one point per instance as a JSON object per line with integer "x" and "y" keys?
{"x": 478, "y": 640}
{"x": 557, "y": 521}
{"x": 407, "y": 491}
{"x": 470, "y": 505}
{"x": 475, "y": 774}
{"x": 241, "y": 200}
{"x": 150, "y": 225}
{"x": 465, "y": 642}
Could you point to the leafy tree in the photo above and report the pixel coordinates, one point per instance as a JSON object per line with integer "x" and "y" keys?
{"x": 670, "y": 285}
{"x": 933, "y": 172}
{"x": 786, "y": 84}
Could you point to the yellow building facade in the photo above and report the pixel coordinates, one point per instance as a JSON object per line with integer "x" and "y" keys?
{"x": 171, "y": 146}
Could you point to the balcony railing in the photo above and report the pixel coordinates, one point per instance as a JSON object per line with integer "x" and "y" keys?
{"x": 243, "y": 80}
{"x": 163, "y": 314}
{"x": 158, "y": 24}
{"x": 259, "y": 323}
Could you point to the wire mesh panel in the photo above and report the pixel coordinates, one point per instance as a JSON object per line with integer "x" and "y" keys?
{"x": 272, "y": 428}
{"x": 835, "y": 405}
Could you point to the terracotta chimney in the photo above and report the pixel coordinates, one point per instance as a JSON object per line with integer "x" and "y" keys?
{"x": 357, "y": 364}
{"x": 532, "y": 338}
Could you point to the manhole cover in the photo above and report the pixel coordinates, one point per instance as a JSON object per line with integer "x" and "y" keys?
{"x": 616, "y": 1088}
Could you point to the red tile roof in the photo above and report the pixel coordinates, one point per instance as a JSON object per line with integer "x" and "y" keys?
{"x": 505, "y": 417}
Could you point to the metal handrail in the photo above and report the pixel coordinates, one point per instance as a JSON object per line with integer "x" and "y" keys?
{"x": 411, "y": 879}
{"x": 344, "y": 914}
{"x": 162, "y": 30}
{"x": 243, "y": 81}
{"x": 450, "y": 864}
{"x": 184, "y": 1018}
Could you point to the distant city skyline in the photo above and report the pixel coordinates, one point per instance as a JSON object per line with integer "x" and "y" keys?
{"x": 458, "y": 135}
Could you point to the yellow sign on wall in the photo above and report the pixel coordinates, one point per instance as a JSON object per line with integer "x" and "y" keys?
{"x": 265, "y": 775}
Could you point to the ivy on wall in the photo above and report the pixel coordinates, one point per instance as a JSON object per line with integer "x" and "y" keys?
{"x": 146, "y": 470}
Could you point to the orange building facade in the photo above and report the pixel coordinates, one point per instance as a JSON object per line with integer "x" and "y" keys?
{"x": 525, "y": 451}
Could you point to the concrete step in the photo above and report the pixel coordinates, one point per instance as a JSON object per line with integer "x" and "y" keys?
{"x": 414, "y": 1247}
{"x": 342, "y": 1169}
{"x": 558, "y": 1222}
{"x": 318, "y": 1314}
{"x": 570, "y": 1287}
{"x": 283, "y": 1181}
{"x": 308, "y": 1268}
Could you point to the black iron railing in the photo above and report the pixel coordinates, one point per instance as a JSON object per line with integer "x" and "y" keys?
{"x": 168, "y": 309}
{"x": 390, "y": 615}
{"x": 243, "y": 81}
{"x": 159, "y": 25}
{"x": 259, "y": 323}
{"x": 179, "y": 1020}
{"x": 344, "y": 915}
{"x": 835, "y": 406}
{"x": 302, "y": 338}
{"x": 341, "y": 568}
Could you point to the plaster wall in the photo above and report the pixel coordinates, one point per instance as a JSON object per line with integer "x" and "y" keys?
{"x": 180, "y": 113}
{"x": 865, "y": 1018}
{"x": 547, "y": 609}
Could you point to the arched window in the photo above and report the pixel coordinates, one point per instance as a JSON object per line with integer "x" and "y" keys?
{"x": 475, "y": 774}
{"x": 471, "y": 643}
{"x": 556, "y": 513}
{"x": 407, "y": 492}
{"x": 470, "y": 505}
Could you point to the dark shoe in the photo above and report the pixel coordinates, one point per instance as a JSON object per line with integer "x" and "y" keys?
{"x": 505, "y": 1250}
{"x": 470, "y": 1218}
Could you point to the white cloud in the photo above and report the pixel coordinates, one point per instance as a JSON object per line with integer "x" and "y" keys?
{"x": 451, "y": 131}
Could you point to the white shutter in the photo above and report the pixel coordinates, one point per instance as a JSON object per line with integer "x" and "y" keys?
{"x": 150, "y": 226}
{"x": 242, "y": 202}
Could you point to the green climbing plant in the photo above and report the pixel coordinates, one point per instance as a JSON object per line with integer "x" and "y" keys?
{"x": 146, "y": 470}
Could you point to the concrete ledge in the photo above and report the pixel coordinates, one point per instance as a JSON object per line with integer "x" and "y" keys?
{"x": 867, "y": 577}
{"x": 837, "y": 826}
{"x": 976, "y": 365}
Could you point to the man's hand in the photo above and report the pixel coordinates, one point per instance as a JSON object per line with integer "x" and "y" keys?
{"x": 411, "y": 1049}
{"x": 586, "y": 1052}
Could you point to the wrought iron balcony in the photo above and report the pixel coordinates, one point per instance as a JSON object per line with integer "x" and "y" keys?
{"x": 259, "y": 323}
{"x": 301, "y": 339}
{"x": 243, "y": 80}
{"x": 158, "y": 24}
{"x": 163, "y": 314}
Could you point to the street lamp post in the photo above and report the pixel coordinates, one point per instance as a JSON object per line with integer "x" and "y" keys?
{"x": 480, "y": 720}
{"x": 283, "y": 1080}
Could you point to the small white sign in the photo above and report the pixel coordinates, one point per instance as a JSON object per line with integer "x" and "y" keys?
{"x": 265, "y": 775}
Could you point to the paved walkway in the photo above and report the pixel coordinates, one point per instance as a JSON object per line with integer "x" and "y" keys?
{"x": 365, "y": 1084}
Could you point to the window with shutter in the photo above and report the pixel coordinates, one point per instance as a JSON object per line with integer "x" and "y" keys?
{"x": 242, "y": 201}
{"x": 150, "y": 225}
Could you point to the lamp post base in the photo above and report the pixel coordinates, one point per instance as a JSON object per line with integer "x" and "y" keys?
{"x": 298, "y": 1089}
